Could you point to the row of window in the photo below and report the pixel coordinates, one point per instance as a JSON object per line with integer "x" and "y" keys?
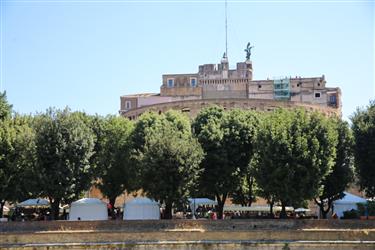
{"x": 193, "y": 82}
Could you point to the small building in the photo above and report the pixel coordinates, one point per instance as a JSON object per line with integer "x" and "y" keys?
{"x": 141, "y": 208}
{"x": 88, "y": 209}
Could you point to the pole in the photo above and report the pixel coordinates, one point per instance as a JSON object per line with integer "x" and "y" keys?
{"x": 226, "y": 29}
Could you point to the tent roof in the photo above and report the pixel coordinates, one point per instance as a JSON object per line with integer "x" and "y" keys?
{"x": 302, "y": 209}
{"x": 202, "y": 201}
{"x": 143, "y": 201}
{"x": 237, "y": 208}
{"x": 88, "y": 201}
{"x": 33, "y": 203}
{"x": 350, "y": 199}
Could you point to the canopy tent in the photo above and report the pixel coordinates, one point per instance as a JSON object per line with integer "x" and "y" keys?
{"x": 236, "y": 208}
{"x": 301, "y": 210}
{"x": 141, "y": 208}
{"x": 195, "y": 202}
{"x": 88, "y": 209}
{"x": 347, "y": 203}
{"x": 34, "y": 203}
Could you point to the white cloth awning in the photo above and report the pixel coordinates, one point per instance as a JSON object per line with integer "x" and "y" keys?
{"x": 350, "y": 199}
{"x": 236, "y": 208}
{"x": 34, "y": 203}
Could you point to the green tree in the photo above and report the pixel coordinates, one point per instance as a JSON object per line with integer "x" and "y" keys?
{"x": 5, "y": 107}
{"x": 116, "y": 171}
{"x": 363, "y": 126}
{"x": 241, "y": 128}
{"x": 17, "y": 159}
{"x": 295, "y": 150}
{"x": 227, "y": 140}
{"x": 167, "y": 156}
{"x": 64, "y": 147}
{"x": 335, "y": 183}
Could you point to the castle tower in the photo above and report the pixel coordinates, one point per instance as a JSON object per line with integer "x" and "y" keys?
{"x": 224, "y": 67}
{"x": 249, "y": 69}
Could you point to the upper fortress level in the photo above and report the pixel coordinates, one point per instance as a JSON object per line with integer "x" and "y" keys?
{"x": 233, "y": 88}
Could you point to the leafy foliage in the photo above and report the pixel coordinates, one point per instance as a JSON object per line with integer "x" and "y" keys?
{"x": 227, "y": 140}
{"x": 167, "y": 157}
{"x": 363, "y": 126}
{"x": 17, "y": 150}
{"x": 335, "y": 183}
{"x": 5, "y": 107}
{"x": 64, "y": 147}
{"x": 116, "y": 171}
{"x": 295, "y": 150}
{"x": 369, "y": 206}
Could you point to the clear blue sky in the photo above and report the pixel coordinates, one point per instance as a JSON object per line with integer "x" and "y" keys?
{"x": 86, "y": 54}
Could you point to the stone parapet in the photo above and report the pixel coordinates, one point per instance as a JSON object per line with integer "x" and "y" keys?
{"x": 189, "y": 234}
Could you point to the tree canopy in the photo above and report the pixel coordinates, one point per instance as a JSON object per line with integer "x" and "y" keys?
{"x": 115, "y": 169}
{"x": 168, "y": 157}
{"x": 363, "y": 126}
{"x": 17, "y": 151}
{"x": 5, "y": 107}
{"x": 341, "y": 175}
{"x": 64, "y": 147}
{"x": 295, "y": 150}
{"x": 227, "y": 140}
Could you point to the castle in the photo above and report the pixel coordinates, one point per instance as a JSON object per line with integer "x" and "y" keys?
{"x": 216, "y": 84}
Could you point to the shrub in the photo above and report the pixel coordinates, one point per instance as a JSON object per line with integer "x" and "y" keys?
{"x": 352, "y": 214}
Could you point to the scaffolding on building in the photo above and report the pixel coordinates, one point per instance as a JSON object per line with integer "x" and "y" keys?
{"x": 281, "y": 89}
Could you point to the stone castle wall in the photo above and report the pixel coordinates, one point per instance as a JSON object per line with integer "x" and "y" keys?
{"x": 192, "y": 107}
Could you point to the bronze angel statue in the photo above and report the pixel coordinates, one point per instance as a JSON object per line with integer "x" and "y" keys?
{"x": 248, "y": 51}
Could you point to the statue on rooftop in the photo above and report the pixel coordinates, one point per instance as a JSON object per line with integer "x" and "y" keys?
{"x": 248, "y": 51}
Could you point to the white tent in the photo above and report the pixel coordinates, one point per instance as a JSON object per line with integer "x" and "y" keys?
{"x": 88, "y": 209}
{"x": 302, "y": 210}
{"x": 141, "y": 208}
{"x": 347, "y": 203}
{"x": 266, "y": 208}
{"x": 34, "y": 203}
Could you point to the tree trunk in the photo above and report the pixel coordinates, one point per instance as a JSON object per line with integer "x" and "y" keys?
{"x": 271, "y": 209}
{"x": 220, "y": 205}
{"x": 168, "y": 210}
{"x": 283, "y": 214}
{"x": 55, "y": 208}
{"x": 323, "y": 211}
{"x": 251, "y": 182}
{"x": 112, "y": 202}
{"x": 1, "y": 208}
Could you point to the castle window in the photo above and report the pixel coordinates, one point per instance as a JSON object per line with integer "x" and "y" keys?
{"x": 317, "y": 95}
{"x": 170, "y": 83}
{"x": 193, "y": 82}
{"x": 128, "y": 105}
{"x": 332, "y": 99}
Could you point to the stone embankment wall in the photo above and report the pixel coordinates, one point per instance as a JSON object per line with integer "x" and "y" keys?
{"x": 190, "y": 234}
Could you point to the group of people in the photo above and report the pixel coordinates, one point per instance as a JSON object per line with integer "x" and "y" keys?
{"x": 29, "y": 214}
